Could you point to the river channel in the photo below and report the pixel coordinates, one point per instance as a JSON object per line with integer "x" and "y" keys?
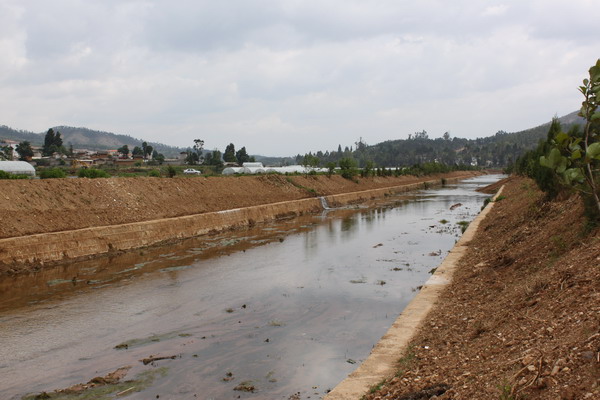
{"x": 286, "y": 309}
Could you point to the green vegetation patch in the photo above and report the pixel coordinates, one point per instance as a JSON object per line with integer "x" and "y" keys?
{"x": 52, "y": 173}
{"x": 92, "y": 173}
{"x": 463, "y": 225}
{"x": 6, "y": 175}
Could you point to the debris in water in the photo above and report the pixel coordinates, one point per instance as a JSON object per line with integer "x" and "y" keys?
{"x": 245, "y": 386}
{"x": 453, "y": 206}
{"x": 378, "y": 245}
{"x": 151, "y": 359}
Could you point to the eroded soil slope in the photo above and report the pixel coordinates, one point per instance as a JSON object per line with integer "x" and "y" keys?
{"x": 522, "y": 317}
{"x": 39, "y": 206}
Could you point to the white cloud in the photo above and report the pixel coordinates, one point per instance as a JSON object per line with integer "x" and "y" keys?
{"x": 495, "y": 10}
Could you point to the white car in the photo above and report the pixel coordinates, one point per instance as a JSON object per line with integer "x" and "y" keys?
{"x": 192, "y": 171}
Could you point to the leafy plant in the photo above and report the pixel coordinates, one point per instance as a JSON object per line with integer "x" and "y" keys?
{"x": 52, "y": 173}
{"x": 575, "y": 156}
{"x": 7, "y": 175}
{"x": 92, "y": 173}
{"x": 348, "y": 168}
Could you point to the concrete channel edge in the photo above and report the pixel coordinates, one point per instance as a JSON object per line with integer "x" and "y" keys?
{"x": 382, "y": 362}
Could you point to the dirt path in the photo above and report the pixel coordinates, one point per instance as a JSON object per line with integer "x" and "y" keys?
{"x": 39, "y": 206}
{"x": 522, "y": 316}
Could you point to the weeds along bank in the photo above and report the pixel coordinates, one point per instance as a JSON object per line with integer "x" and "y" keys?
{"x": 56, "y": 219}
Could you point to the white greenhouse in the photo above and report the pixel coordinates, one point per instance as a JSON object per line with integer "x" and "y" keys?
{"x": 232, "y": 170}
{"x": 17, "y": 168}
{"x": 257, "y": 168}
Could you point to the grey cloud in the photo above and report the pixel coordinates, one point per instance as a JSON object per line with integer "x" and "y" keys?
{"x": 291, "y": 75}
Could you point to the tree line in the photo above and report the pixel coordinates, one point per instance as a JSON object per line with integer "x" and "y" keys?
{"x": 197, "y": 155}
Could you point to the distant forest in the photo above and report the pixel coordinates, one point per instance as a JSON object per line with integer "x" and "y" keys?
{"x": 499, "y": 150}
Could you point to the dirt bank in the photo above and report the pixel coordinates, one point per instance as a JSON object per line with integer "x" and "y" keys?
{"x": 39, "y": 206}
{"x": 69, "y": 220}
{"x": 522, "y": 316}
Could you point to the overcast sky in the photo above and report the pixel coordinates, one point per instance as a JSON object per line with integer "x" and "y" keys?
{"x": 283, "y": 77}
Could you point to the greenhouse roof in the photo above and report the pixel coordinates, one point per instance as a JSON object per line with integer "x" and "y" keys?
{"x": 17, "y": 167}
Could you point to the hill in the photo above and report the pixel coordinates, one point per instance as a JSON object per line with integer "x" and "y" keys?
{"x": 498, "y": 150}
{"x": 86, "y": 138}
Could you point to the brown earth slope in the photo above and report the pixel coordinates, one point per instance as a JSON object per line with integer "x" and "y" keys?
{"x": 522, "y": 316}
{"x": 51, "y": 205}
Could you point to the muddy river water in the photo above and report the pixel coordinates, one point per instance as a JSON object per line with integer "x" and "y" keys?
{"x": 286, "y": 309}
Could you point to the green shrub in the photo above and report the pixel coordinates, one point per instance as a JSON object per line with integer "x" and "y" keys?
{"x": 348, "y": 168}
{"x": 92, "y": 173}
{"x": 52, "y": 173}
{"x": 154, "y": 173}
{"x": 6, "y": 175}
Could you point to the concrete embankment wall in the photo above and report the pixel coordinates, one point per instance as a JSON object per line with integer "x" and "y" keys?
{"x": 55, "y": 247}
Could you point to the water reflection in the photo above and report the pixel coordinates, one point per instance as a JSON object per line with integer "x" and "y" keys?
{"x": 284, "y": 305}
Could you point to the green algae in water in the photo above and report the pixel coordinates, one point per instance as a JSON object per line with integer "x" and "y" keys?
{"x": 106, "y": 392}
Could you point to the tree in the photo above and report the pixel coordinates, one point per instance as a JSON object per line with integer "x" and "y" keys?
{"x": 146, "y": 150}
{"x": 446, "y": 136}
{"x": 368, "y": 169}
{"x": 229, "y": 154}
{"x": 53, "y": 143}
{"x": 124, "y": 150}
{"x": 192, "y": 158}
{"x": 6, "y": 153}
{"x": 25, "y": 151}
{"x": 575, "y": 156}
{"x": 137, "y": 151}
{"x": 214, "y": 158}
{"x": 330, "y": 168}
{"x": 198, "y": 147}
{"x": 348, "y": 167}
{"x": 159, "y": 157}
{"x": 310, "y": 163}
{"x": 242, "y": 156}
{"x": 48, "y": 141}
{"x": 171, "y": 171}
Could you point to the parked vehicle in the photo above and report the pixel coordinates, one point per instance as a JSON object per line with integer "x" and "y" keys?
{"x": 192, "y": 171}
